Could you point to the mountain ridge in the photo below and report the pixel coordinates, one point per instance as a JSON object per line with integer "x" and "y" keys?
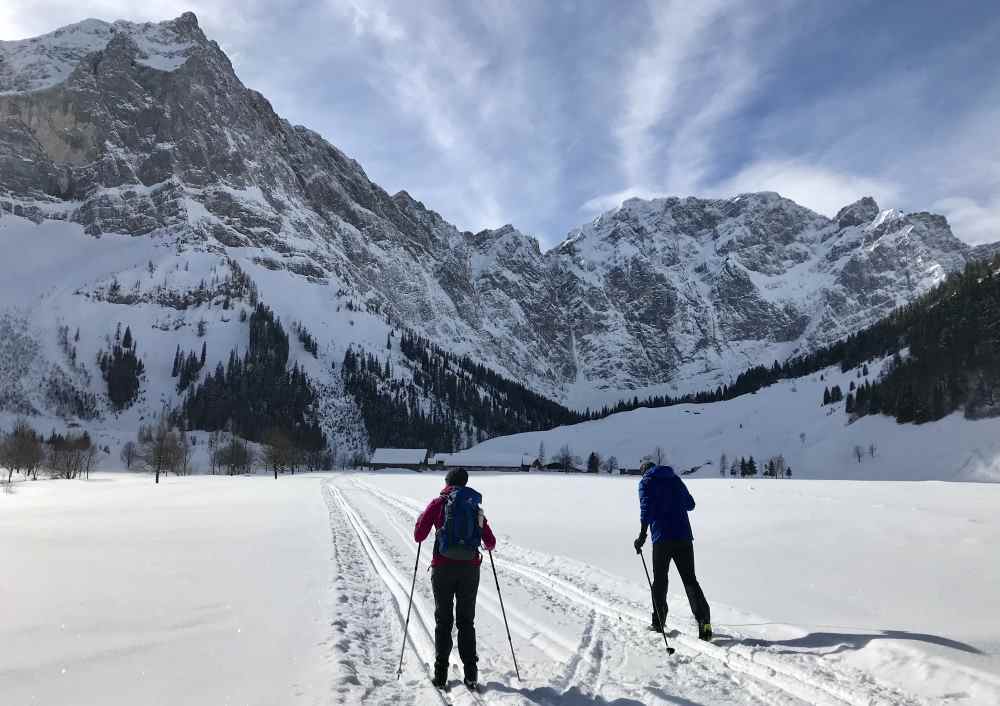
{"x": 666, "y": 295}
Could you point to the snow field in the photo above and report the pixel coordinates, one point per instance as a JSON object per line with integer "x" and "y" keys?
{"x": 786, "y": 418}
{"x": 202, "y": 590}
{"x": 876, "y": 606}
{"x": 214, "y": 590}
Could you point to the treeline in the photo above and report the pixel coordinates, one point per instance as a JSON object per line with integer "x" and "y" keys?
{"x": 774, "y": 467}
{"x": 393, "y": 411}
{"x": 494, "y": 404}
{"x": 187, "y": 368}
{"x": 256, "y": 392}
{"x": 122, "y": 369}
{"x": 450, "y": 403}
{"x": 954, "y": 355}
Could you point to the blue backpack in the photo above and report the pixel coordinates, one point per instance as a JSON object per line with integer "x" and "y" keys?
{"x": 460, "y": 536}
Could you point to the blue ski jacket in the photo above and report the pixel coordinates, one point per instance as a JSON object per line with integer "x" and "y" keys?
{"x": 664, "y": 504}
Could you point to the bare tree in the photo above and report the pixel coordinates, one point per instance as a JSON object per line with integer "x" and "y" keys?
{"x": 872, "y": 450}
{"x": 659, "y": 456}
{"x": 236, "y": 456}
{"x": 21, "y": 450}
{"x": 859, "y": 453}
{"x": 128, "y": 454}
{"x": 277, "y": 449}
{"x": 88, "y": 457}
{"x": 610, "y": 464}
{"x": 6, "y": 457}
{"x": 159, "y": 448}
{"x": 214, "y": 442}
{"x": 802, "y": 437}
{"x": 541, "y": 453}
{"x": 184, "y": 453}
{"x": 723, "y": 464}
{"x": 565, "y": 458}
{"x": 70, "y": 456}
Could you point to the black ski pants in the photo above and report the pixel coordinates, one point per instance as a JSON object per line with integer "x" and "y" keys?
{"x": 681, "y": 553}
{"x": 455, "y": 589}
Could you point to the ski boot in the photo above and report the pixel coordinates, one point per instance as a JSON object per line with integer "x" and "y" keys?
{"x": 655, "y": 625}
{"x": 705, "y": 632}
{"x": 440, "y": 679}
{"x": 471, "y": 680}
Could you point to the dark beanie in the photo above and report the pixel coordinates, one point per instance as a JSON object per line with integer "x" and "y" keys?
{"x": 457, "y": 476}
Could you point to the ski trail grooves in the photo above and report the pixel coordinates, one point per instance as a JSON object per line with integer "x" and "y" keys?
{"x": 697, "y": 676}
{"x": 818, "y": 685}
{"x": 521, "y": 625}
{"x": 367, "y": 640}
{"x": 421, "y": 634}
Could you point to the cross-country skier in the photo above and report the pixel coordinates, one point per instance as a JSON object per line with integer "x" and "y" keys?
{"x": 664, "y": 504}
{"x": 461, "y": 527}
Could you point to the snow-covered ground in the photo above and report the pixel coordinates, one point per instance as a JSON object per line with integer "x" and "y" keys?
{"x": 212, "y": 590}
{"x": 202, "y": 590}
{"x": 786, "y": 418}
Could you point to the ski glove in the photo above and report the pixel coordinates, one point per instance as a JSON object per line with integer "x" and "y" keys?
{"x": 639, "y": 541}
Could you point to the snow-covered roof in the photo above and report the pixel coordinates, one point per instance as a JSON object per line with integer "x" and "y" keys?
{"x": 405, "y": 456}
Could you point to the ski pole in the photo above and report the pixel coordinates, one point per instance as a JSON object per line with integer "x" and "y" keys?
{"x": 504, "y": 612}
{"x": 659, "y": 618}
{"x": 409, "y": 607}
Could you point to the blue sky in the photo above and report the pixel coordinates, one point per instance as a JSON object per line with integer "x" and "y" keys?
{"x": 543, "y": 114}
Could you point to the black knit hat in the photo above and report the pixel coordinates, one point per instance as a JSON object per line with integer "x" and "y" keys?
{"x": 457, "y": 476}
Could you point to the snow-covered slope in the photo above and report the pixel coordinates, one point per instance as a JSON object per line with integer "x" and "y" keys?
{"x": 41, "y": 62}
{"x": 684, "y": 294}
{"x": 787, "y": 419}
{"x": 144, "y": 130}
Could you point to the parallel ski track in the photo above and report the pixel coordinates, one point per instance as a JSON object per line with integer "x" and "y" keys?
{"x": 828, "y": 687}
{"x": 421, "y": 631}
{"x": 582, "y": 662}
{"x": 585, "y": 658}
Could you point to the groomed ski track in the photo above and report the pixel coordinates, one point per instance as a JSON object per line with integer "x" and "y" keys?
{"x": 579, "y": 639}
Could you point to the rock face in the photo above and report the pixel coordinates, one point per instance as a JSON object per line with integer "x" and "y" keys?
{"x": 693, "y": 290}
{"x": 145, "y": 130}
{"x": 986, "y": 251}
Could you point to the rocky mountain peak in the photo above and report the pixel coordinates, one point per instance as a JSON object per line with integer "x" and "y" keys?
{"x": 145, "y": 130}
{"x": 862, "y": 211}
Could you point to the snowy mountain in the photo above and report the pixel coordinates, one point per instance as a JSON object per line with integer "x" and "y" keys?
{"x": 174, "y": 186}
{"x": 987, "y": 251}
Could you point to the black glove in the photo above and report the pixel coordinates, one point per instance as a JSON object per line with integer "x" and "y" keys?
{"x": 639, "y": 541}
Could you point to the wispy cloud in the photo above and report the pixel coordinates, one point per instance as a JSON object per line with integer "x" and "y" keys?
{"x": 696, "y": 71}
{"x": 540, "y": 114}
{"x": 823, "y": 190}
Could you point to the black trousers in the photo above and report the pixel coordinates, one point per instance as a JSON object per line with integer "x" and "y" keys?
{"x": 681, "y": 553}
{"x": 455, "y": 589}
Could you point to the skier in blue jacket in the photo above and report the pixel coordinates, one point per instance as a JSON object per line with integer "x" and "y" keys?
{"x": 664, "y": 504}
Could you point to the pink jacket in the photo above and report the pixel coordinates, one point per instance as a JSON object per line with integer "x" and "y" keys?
{"x": 433, "y": 518}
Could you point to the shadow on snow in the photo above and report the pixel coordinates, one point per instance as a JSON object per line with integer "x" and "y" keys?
{"x": 847, "y": 641}
{"x": 571, "y": 697}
